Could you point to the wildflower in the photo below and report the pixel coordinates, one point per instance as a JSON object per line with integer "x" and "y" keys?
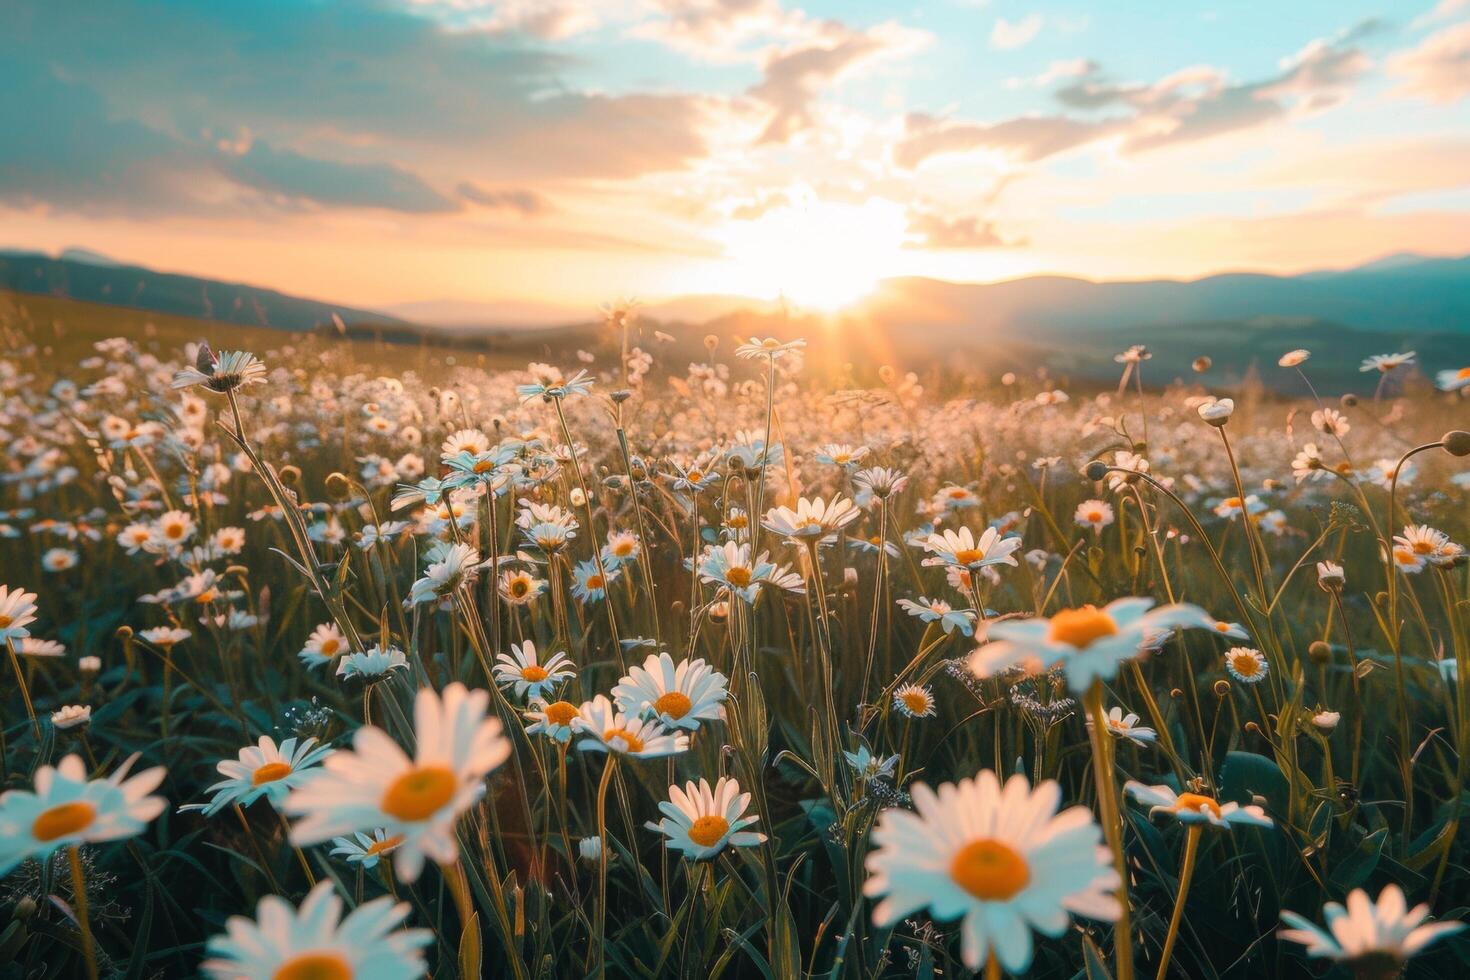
{"x": 1326, "y": 721}
{"x": 1126, "y": 726}
{"x": 1131, "y": 464}
{"x": 71, "y": 716}
{"x": 89, "y": 665}
{"x": 589, "y": 583}
{"x": 811, "y": 519}
{"x": 520, "y": 588}
{"x": 842, "y": 455}
{"x": 1294, "y": 358}
{"x": 135, "y": 537}
{"x": 1427, "y": 544}
{"x": 375, "y": 784}
{"x": 914, "y": 701}
{"x": 1096, "y": 514}
{"x": 604, "y": 729}
{"x": 1308, "y": 464}
{"x": 372, "y": 664}
{"x": 959, "y": 549}
{"x": 553, "y": 720}
{"x": 450, "y": 566}
{"x": 1376, "y": 937}
{"x": 1234, "y": 631}
{"x": 999, "y": 858}
{"x": 366, "y": 850}
{"x": 1088, "y": 643}
{"x": 952, "y": 498}
{"x": 938, "y": 611}
{"x": 700, "y": 822}
{"x": 1246, "y": 664}
{"x": 589, "y": 849}
{"x": 1331, "y": 422}
{"x": 35, "y": 646}
{"x": 869, "y": 766}
{"x": 17, "y": 611}
{"x": 1195, "y": 807}
{"x": 323, "y": 646}
{"x": 1273, "y": 522}
{"x": 730, "y": 566}
{"x": 264, "y": 770}
{"x": 678, "y": 696}
{"x": 621, "y": 548}
{"x": 165, "y": 637}
{"x": 1384, "y": 363}
{"x": 548, "y": 382}
{"x": 66, "y": 808}
{"x": 520, "y": 669}
{"x": 228, "y": 541}
{"x": 1330, "y": 576}
{"x": 767, "y": 347}
{"x": 315, "y": 941}
{"x": 59, "y": 560}
{"x": 221, "y": 373}
{"x": 1233, "y": 507}
{"x": 880, "y": 481}
{"x": 1217, "y": 411}
{"x": 1453, "y": 380}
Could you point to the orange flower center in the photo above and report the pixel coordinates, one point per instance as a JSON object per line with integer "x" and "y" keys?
{"x": 519, "y": 588}
{"x": 915, "y": 701}
{"x": 738, "y": 576}
{"x": 534, "y": 674}
{"x": 967, "y": 555}
{"x": 174, "y": 531}
{"x": 632, "y": 742}
{"x": 1245, "y": 665}
{"x": 561, "y": 713}
{"x": 675, "y": 704}
{"x": 330, "y": 647}
{"x": 484, "y": 466}
{"x": 707, "y": 831}
{"x": 1462, "y": 374}
{"x": 623, "y": 549}
{"x": 594, "y": 581}
{"x": 990, "y": 870}
{"x": 5, "y": 621}
{"x": 63, "y": 820}
{"x": 1422, "y": 547}
{"x": 270, "y": 773}
{"x": 1197, "y": 802}
{"x": 1081, "y": 627}
{"x": 1094, "y": 516}
{"x": 385, "y": 845}
{"x": 1222, "y": 627}
{"x": 314, "y": 966}
{"x": 1232, "y": 501}
{"x": 419, "y": 793}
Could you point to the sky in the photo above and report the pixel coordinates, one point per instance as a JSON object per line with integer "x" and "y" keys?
{"x": 559, "y": 153}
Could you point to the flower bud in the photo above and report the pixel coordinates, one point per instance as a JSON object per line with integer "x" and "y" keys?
{"x": 290, "y": 475}
{"x": 1096, "y": 470}
{"x": 1222, "y": 688}
{"x": 1320, "y": 652}
{"x": 1457, "y": 442}
{"x": 338, "y": 486}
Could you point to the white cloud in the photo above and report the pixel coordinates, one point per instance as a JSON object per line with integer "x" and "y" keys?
{"x": 1008, "y": 36}
{"x": 1438, "y": 69}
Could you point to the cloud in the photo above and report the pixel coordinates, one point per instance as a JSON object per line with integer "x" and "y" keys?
{"x": 931, "y": 230}
{"x": 722, "y": 30}
{"x": 298, "y": 177}
{"x": 1187, "y": 106}
{"x": 1438, "y": 70}
{"x": 1008, "y": 36}
{"x": 523, "y": 201}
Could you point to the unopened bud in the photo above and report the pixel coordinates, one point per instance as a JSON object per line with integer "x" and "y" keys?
{"x": 290, "y": 475}
{"x": 1096, "y": 470}
{"x": 1320, "y": 652}
{"x": 1457, "y": 442}
{"x": 1349, "y": 400}
{"x": 1222, "y": 688}
{"x": 338, "y": 486}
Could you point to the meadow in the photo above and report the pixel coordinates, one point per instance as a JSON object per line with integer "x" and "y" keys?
{"x": 332, "y": 661}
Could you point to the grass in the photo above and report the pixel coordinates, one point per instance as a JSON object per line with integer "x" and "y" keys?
{"x": 810, "y": 669}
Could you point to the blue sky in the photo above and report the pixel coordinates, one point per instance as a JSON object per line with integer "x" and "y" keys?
{"x": 557, "y": 152}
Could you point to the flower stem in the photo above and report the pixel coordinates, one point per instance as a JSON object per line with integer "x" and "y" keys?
{"x": 1186, "y": 875}
{"x": 79, "y": 893}
{"x": 1107, "y": 805}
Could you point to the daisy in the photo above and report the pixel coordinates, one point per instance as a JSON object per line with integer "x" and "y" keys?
{"x": 324, "y": 645}
{"x": 589, "y": 583}
{"x": 1234, "y": 631}
{"x": 471, "y": 441}
{"x": 228, "y": 370}
{"x": 1294, "y": 358}
{"x": 171, "y": 530}
{"x": 621, "y": 548}
{"x": 315, "y": 942}
{"x": 520, "y": 588}
{"x": 1330, "y": 575}
{"x": 449, "y": 567}
{"x": 700, "y": 822}
{"x": 60, "y": 560}
{"x": 880, "y": 481}
{"x": 1384, "y": 363}
{"x": 228, "y": 540}
{"x": 1453, "y": 380}
{"x": 1427, "y": 543}
{"x": 1088, "y": 643}
{"x": 999, "y": 858}
{"x": 811, "y": 519}
{"x": 529, "y": 676}
{"x": 1126, "y": 726}
{"x": 135, "y": 537}
{"x": 959, "y": 549}
{"x": 1365, "y": 933}
{"x": 1246, "y": 664}
{"x": 35, "y": 646}
{"x": 1217, "y": 411}
{"x": 938, "y": 611}
{"x": 604, "y": 729}
{"x": 553, "y": 720}
{"x": 840, "y": 454}
{"x": 955, "y": 498}
{"x": 1096, "y": 514}
{"x": 373, "y": 664}
{"x": 71, "y": 716}
{"x": 1195, "y": 807}
{"x": 264, "y": 770}
{"x": 366, "y": 849}
{"x": 165, "y": 637}
{"x": 678, "y": 696}
{"x": 17, "y": 611}
{"x": 914, "y": 701}
{"x": 66, "y": 808}
{"x": 1308, "y": 464}
{"x": 1233, "y": 507}
{"x": 767, "y": 347}
{"x": 1131, "y": 463}
{"x": 548, "y": 382}
{"x": 375, "y": 784}
{"x": 730, "y": 566}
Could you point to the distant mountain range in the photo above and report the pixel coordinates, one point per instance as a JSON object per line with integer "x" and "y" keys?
{"x": 1071, "y": 326}
{"x": 84, "y": 275}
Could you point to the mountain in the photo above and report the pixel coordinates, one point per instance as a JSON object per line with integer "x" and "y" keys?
{"x": 82, "y": 275}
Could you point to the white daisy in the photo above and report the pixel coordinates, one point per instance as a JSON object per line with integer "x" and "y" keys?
{"x": 1246, "y": 664}
{"x": 371, "y": 664}
{"x": 1001, "y": 859}
{"x": 1192, "y": 807}
{"x": 812, "y": 518}
{"x": 678, "y": 696}
{"x": 264, "y": 770}
{"x": 553, "y": 720}
{"x": 324, "y": 645}
{"x": 1126, "y": 726}
{"x": 17, "y": 611}
{"x": 366, "y": 849}
{"x": 700, "y": 822}
{"x": 529, "y": 676}
{"x": 1364, "y": 932}
{"x": 376, "y": 785}
{"x": 601, "y": 728}
{"x": 914, "y": 701}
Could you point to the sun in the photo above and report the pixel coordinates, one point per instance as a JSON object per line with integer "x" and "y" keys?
{"x": 817, "y": 254}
